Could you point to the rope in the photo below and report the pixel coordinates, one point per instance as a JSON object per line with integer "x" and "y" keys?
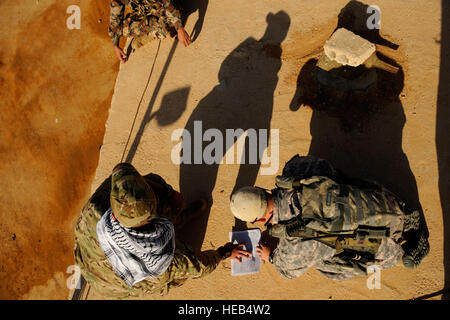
{"x": 139, "y": 105}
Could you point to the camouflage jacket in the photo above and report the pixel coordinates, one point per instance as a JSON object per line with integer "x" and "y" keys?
{"x": 293, "y": 257}
{"x": 97, "y": 270}
{"x": 145, "y": 16}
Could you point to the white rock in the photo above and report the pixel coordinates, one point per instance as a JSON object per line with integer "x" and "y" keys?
{"x": 348, "y": 48}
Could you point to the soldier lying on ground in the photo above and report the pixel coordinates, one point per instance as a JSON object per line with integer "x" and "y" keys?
{"x": 147, "y": 18}
{"x": 125, "y": 239}
{"x": 328, "y": 221}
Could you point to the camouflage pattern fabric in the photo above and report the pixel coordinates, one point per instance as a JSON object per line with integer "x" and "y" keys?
{"x": 146, "y": 17}
{"x": 293, "y": 257}
{"x": 95, "y": 268}
{"x": 347, "y": 207}
{"x": 133, "y": 201}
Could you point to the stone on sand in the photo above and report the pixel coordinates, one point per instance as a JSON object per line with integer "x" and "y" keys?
{"x": 348, "y": 48}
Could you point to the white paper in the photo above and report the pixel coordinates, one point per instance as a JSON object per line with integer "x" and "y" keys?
{"x": 249, "y": 265}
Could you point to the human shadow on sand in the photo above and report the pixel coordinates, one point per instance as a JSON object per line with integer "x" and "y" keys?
{"x": 360, "y": 131}
{"x": 243, "y": 99}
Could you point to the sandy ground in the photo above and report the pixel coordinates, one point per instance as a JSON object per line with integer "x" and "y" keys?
{"x": 207, "y": 82}
{"x": 56, "y": 88}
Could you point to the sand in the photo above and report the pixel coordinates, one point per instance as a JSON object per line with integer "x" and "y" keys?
{"x": 56, "y": 90}
{"x": 69, "y": 75}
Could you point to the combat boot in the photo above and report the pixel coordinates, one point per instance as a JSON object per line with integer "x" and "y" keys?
{"x": 412, "y": 221}
{"x": 417, "y": 246}
{"x": 414, "y": 255}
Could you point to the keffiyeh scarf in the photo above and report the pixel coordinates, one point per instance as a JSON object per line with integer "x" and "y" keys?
{"x": 136, "y": 255}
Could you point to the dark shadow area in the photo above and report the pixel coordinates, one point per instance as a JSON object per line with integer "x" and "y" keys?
{"x": 360, "y": 131}
{"x": 443, "y": 138}
{"x": 172, "y": 107}
{"x": 243, "y": 238}
{"x": 243, "y": 99}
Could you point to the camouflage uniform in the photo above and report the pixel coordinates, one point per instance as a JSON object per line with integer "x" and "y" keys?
{"x": 154, "y": 17}
{"x": 293, "y": 257}
{"x": 96, "y": 269}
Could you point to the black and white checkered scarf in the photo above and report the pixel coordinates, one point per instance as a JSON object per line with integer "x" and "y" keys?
{"x": 137, "y": 255}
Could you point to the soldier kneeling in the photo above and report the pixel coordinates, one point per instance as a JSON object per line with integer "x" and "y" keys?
{"x": 337, "y": 225}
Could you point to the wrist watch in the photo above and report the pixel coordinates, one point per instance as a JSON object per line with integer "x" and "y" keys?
{"x": 271, "y": 257}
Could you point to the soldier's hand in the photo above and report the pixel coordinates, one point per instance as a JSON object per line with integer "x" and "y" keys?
{"x": 183, "y": 37}
{"x": 263, "y": 252}
{"x": 238, "y": 253}
{"x": 120, "y": 54}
